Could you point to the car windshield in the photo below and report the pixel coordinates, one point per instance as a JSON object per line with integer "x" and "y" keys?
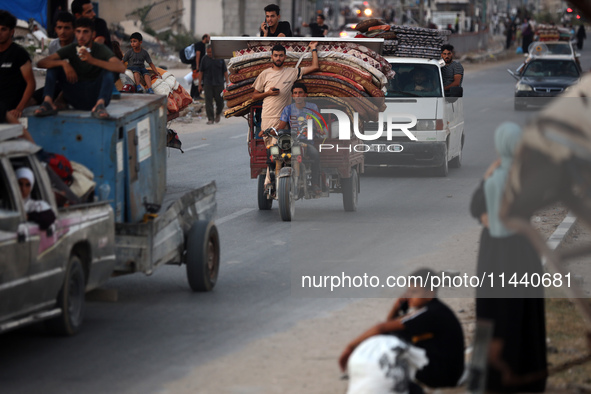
{"x": 414, "y": 80}
{"x": 559, "y": 49}
{"x": 551, "y": 68}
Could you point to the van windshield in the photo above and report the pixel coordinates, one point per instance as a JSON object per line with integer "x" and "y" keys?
{"x": 414, "y": 80}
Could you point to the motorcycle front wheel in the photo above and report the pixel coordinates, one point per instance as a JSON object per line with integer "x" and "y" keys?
{"x": 286, "y": 200}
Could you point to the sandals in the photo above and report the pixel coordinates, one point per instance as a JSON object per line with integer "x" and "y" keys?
{"x": 100, "y": 112}
{"x": 45, "y": 109}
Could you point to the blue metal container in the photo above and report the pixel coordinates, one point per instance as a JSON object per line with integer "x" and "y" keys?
{"x": 126, "y": 153}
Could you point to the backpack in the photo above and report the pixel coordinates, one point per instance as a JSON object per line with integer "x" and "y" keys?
{"x": 187, "y": 54}
{"x": 61, "y": 166}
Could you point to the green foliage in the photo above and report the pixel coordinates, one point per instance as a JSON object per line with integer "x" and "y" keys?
{"x": 545, "y": 17}
{"x": 181, "y": 41}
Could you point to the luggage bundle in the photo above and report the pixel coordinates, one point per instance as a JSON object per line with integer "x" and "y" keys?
{"x": 350, "y": 75}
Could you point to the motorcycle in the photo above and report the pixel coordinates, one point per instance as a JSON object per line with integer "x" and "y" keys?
{"x": 291, "y": 177}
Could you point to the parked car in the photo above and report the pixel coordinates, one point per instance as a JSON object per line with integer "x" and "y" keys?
{"x": 544, "y": 78}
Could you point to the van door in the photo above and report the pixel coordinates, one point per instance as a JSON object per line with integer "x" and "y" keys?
{"x": 454, "y": 119}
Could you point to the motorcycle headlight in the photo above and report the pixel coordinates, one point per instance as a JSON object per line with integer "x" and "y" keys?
{"x": 522, "y": 87}
{"x": 275, "y": 150}
{"x": 284, "y": 142}
{"x": 296, "y": 151}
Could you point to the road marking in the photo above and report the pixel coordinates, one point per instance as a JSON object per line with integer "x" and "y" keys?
{"x": 238, "y": 136}
{"x": 234, "y": 215}
{"x": 196, "y": 147}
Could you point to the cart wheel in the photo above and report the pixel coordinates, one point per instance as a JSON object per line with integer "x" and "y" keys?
{"x": 350, "y": 191}
{"x": 264, "y": 202}
{"x": 71, "y": 301}
{"x": 285, "y": 197}
{"x": 202, "y": 243}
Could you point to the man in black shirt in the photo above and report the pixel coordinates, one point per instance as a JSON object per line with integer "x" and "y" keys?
{"x": 212, "y": 73}
{"x": 272, "y": 27}
{"x": 431, "y": 326}
{"x": 317, "y": 29}
{"x": 17, "y": 82}
{"x": 85, "y": 9}
{"x": 199, "y": 55}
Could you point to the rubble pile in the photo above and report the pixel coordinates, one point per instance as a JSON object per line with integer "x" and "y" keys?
{"x": 349, "y": 73}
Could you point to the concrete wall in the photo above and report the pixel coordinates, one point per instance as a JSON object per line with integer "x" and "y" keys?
{"x": 469, "y": 42}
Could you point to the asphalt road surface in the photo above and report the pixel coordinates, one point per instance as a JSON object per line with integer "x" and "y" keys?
{"x": 158, "y": 329}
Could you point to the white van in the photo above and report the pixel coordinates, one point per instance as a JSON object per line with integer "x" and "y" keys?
{"x": 439, "y": 130}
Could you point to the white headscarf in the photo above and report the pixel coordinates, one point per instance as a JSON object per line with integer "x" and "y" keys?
{"x": 30, "y": 204}
{"x": 25, "y": 172}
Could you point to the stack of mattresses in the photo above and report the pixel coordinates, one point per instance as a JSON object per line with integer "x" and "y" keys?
{"x": 416, "y": 42}
{"x": 405, "y": 41}
{"x": 547, "y": 32}
{"x": 348, "y": 71}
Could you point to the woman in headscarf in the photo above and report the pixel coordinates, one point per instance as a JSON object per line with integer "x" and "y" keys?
{"x": 38, "y": 211}
{"x": 517, "y": 353}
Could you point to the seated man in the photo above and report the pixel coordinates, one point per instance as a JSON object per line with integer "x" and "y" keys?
{"x": 295, "y": 117}
{"x": 84, "y": 71}
{"x": 431, "y": 326}
{"x": 420, "y": 81}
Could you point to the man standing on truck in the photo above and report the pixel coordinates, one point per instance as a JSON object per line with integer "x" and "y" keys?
{"x": 273, "y": 87}
{"x": 272, "y": 26}
{"x": 453, "y": 72}
{"x": 84, "y": 71}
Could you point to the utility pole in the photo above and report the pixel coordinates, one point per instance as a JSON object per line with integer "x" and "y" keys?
{"x": 422, "y": 13}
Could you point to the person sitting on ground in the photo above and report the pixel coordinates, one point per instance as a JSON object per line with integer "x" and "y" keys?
{"x": 135, "y": 58}
{"x": 17, "y": 82}
{"x": 420, "y": 81}
{"x": 431, "y": 325}
{"x": 38, "y": 211}
{"x": 84, "y": 71}
{"x": 295, "y": 116}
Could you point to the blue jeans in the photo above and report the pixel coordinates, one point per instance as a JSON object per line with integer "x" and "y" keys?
{"x": 81, "y": 95}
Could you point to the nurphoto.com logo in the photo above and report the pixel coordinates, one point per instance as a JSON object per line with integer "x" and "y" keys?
{"x": 392, "y": 123}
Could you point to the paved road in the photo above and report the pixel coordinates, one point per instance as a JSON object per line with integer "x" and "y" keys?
{"x": 158, "y": 330}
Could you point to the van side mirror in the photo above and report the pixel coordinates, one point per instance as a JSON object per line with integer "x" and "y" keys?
{"x": 453, "y": 93}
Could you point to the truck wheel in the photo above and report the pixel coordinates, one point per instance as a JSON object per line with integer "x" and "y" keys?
{"x": 443, "y": 169}
{"x": 456, "y": 162}
{"x": 202, "y": 243}
{"x": 264, "y": 202}
{"x": 350, "y": 191}
{"x": 70, "y": 300}
{"x": 285, "y": 197}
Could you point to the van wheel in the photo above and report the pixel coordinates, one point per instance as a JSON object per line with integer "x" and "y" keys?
{"x": 70, "y": 300}
{"x": 456, "y": 162}
{"x": 443, "y": 169}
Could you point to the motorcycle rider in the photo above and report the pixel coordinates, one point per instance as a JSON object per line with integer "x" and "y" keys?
{"x": 295, "y": 116}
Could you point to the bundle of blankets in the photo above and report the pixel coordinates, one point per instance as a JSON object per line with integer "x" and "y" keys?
{"x": 405, "y": 41}
{"x": 351, "y": 76}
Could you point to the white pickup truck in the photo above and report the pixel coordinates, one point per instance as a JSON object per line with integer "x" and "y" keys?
{"x": 439, "y": 130}
{"x": 44, "y": 274}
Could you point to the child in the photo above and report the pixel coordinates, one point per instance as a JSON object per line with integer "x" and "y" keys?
{"x": 136, "y": 57}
